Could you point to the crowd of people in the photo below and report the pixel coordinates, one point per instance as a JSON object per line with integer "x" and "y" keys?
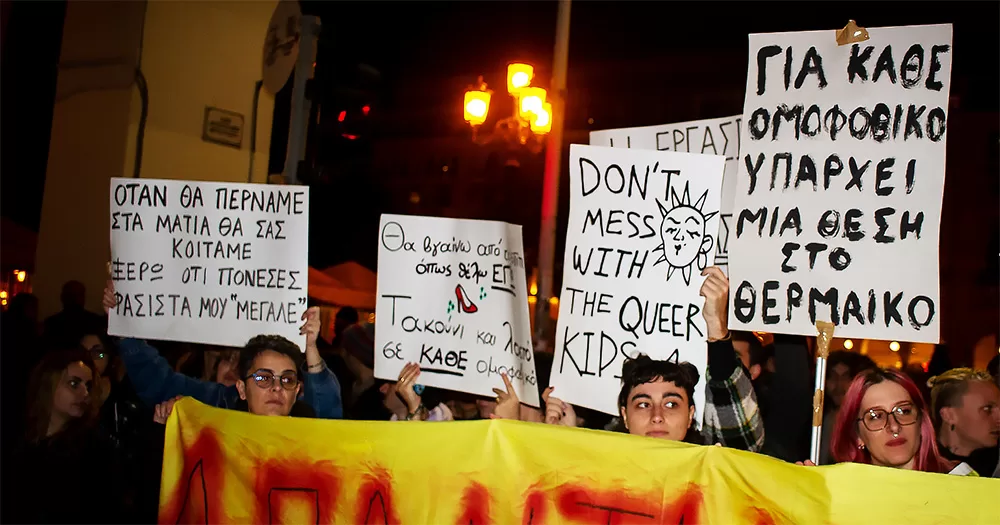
{"x": 87, "y": 411}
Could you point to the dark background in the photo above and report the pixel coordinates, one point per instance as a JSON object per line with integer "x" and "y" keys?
{"x": 630, "y": 64}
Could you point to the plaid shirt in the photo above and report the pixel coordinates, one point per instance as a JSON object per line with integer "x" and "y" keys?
{"x": 732, "y": 417}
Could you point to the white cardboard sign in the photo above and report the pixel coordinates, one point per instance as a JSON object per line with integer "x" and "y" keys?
{"x": 208, "y": 262}
{"x": 452, "y": 297}
{"x": 642, "y": 226}
{"x": 714, "y": 136}
{"x": 841, "y": 177}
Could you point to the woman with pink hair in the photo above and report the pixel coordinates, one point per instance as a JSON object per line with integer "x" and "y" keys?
{"x": 884, "y": 421}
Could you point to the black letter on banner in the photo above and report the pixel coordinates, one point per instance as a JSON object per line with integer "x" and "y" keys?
{"x": 853, "y": 307}
{"x": 912, "y": 311}
{"x": 743, "y": 308}
{"x": 933, "y": 84}
{"x": 762, "y": 115}
{"x": 769, "y": 303}
{"x": 829, "y": 299}
{"x": 753, "y": 169}
{"x": 794, "y": 295}
{"x": 763, "y": 54}
{"x": 891, "y": 307}
{"x": 856, "y": 64}
{"x": 788, "y": 249}
{"x": 880, "y": 215}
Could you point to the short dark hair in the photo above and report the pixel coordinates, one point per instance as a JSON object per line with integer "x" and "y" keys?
{"x": 856, "y": 363}
{"x": 348, "y": 314}
{"x": 758, "y": 355}
{"x": 263, "y": 343}
{"x": 644, "y": 369}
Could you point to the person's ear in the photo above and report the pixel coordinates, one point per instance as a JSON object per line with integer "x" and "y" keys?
{"x": 754, "y": 372}
{"x": 690, "y": 415}
{"x": 241, "y": 387}
{"x": 949, "y": 416}
{"x": 624, "y": 417}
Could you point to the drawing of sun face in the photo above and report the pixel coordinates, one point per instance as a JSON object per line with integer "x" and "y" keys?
{"x": 684, "y": 240}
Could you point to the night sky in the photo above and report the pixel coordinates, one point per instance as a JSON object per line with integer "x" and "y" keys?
{"x": 405, "y": 41}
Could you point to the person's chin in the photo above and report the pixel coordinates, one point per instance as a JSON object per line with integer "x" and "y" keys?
{"x": 899, "y": 455}
{"x": 274, "y": 409}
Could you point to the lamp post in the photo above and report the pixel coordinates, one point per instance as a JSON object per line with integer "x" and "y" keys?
{"x": 526, "y": 128}
{"x": 532, "y": 116}
{"x": 550, "y": 194}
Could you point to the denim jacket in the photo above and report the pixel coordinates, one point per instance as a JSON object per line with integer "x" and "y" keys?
{"x": 155, "y": 382}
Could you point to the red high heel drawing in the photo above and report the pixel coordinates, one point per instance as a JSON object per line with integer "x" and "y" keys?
{"x": 464, "y": 302}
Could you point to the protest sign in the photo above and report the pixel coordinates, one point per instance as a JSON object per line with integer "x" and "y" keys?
{"x": 640, "y": 231}
{"x": 208, "y": 262}
{"x": 715, "y": 136}
{"x": 841, "y": 176}
{"x": 452, "y": 297}
{"x": 224, "y": 466}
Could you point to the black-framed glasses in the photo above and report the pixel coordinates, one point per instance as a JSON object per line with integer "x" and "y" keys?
{"x": 876, "y": 419}
{"x": 264, "y": 379}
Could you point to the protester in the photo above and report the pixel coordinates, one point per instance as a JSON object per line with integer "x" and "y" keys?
{"x": 656, "y": 394}
{"x": 272, "y": 363}
{"x": 156, "y": 383}
{"x": 784, "y": 388}
{"x": 841, "y": 369}
{"x": 121, "y": 412}
{"x": 346, "y": 316}
{"x": 657, "y": 399}
{"x": 64, "y": 329}
{"x": 751, "y": 353}
{"x": 965, "y": 408}
{"x": 732, "y": 414}
{"x": 222, "y": 365}
{"x": 358, "y": 344}
{"x": 20, "y": 339}
{"x": 884, "y": 421}
{"x": 403, "y": 402}
{"x": 67, "y": 469}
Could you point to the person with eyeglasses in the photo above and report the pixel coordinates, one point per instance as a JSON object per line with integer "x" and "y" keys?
{"x": 272, "y": 374}
{"x": 884, "y": 421}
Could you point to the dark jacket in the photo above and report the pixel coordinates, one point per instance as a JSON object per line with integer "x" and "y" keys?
{"x": 66, "y": 479}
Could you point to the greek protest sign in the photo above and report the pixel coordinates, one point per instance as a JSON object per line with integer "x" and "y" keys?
{"x": 641, "y": 228}
{"x": 452, "y": 298}
{"x": 841, "y": 176}
{"x": 208, "y": 262}
{"x": 716, "y": 136}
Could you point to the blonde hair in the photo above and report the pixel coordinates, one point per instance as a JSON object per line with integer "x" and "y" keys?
{"x": 948, "y": 388}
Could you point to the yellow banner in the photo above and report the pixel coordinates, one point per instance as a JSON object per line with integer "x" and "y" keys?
{"x": 223, "y": 466}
